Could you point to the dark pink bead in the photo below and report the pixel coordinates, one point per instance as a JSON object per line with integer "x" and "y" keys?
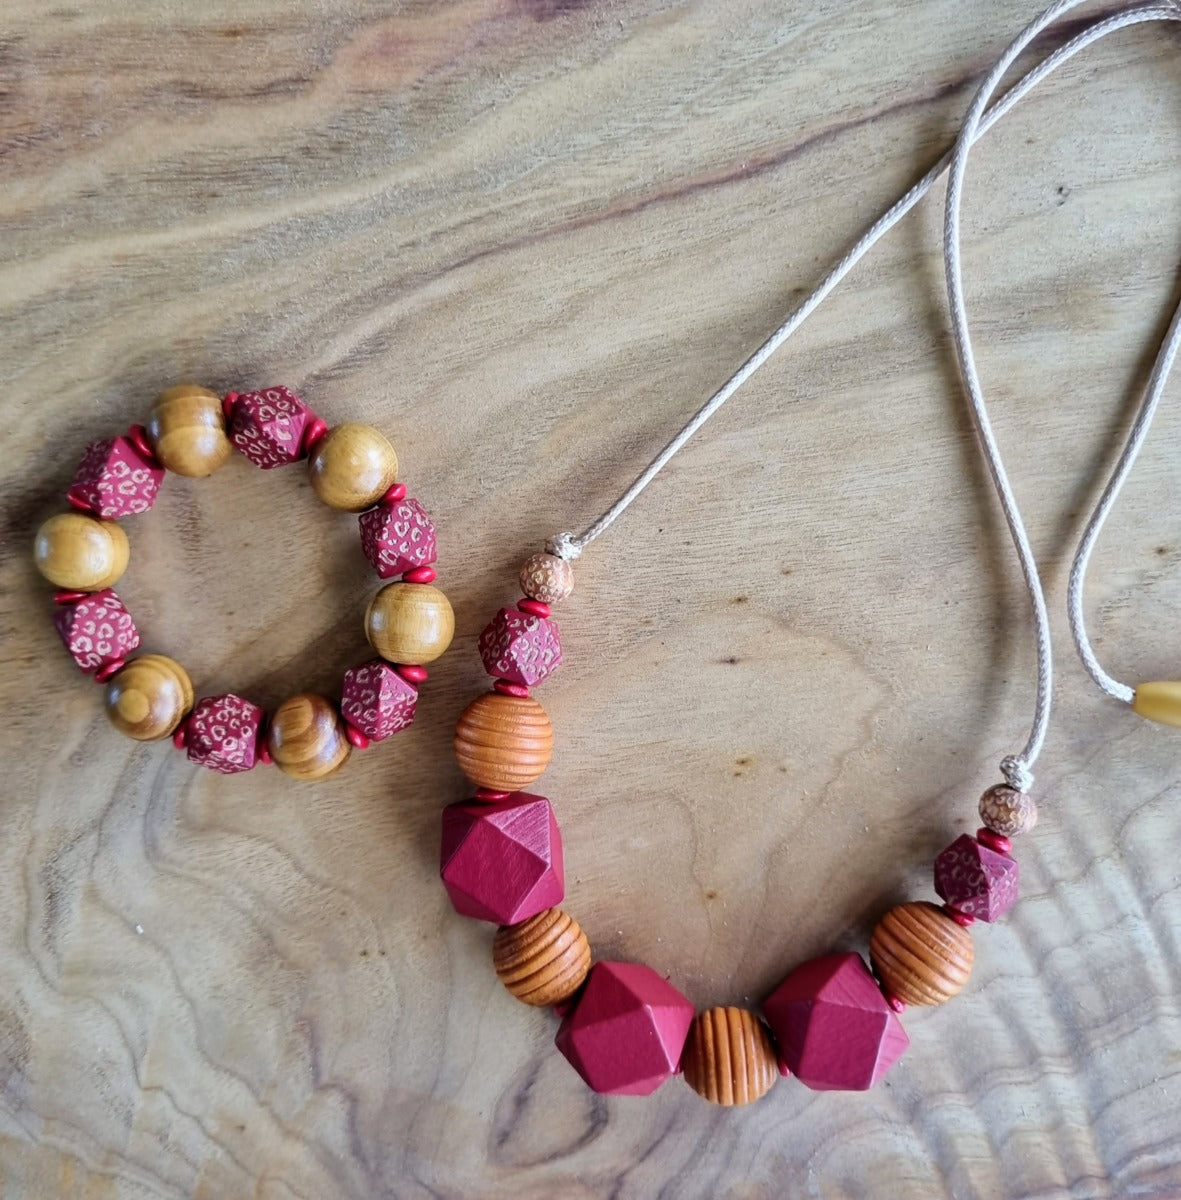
{"x": 537, "y": 608}
{"x": 506, "y": 688}
{"x": 109, "y": 670}
{"x": 268, "y": 426}
{"x": 420, "y": 575}
{"x": 960, "y": 918}
{"x": 520, "y": 647}
{"x": 398, "y": 537}
{"x": 994, "y": 841}
{"x": 227, "y": 405}
{"x": 835, "y": 1029}
{"x": 114, "y": 480}
{"x": 376, "y": 701}
{"x": 975, "y": 880}
{"x": 312, "y": 434}
{"x": 899, "y": 1006}
{"x": 394, "y": 493}
{"x": 626, "y": 1031}
{"x": 355, "y": 737}
{"x": 490, "y": 795}
{"x": 137, "y": 435}
{"x": 64, "y": 597}
{"x": 411, "y": 672}
{"x": 96, "y": 629}
{"x": 502, "y": 863}
{"x": 223, "y": 733}
{"x": 78, "y": 502}
{"x": 180, "y": 739}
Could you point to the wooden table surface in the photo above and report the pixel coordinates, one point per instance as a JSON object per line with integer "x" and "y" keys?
{"x": 527, "y": 238}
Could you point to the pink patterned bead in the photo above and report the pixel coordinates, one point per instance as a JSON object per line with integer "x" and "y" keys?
{"x": 376, "y": 700}
{"x": 975, "y": 880}
{"x": 268, "y": 426}
{"x": 97, "y": 630}
{"x": 398, "y": 536}
{"x": 520, "y": 647}
{"x": 115, "y": 480}
{"x": 222, "y": 733}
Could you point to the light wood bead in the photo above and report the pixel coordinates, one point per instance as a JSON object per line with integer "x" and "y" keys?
{"x": 543, "y": 960}
{"x": 82, "y": 553}
{"x": 920, "y": 954}
{"x": 352, "y": 466}
{"x": 547, "y": 578}
{"x": 729, "y": 1057}
{"x": 149, "y": 698}
{"x": 1158, "y": 701}
{"x": 306, "y": 737}
{"x": 187, "y": 430}
{"x": 503, "y": 742}
{"x": 1007, "y": 811}
{"x": 409, "y": 623}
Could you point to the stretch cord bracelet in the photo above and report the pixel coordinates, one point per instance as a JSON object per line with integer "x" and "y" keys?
{"x": 833, "y": 1022}
{"x": 193, "y": 432}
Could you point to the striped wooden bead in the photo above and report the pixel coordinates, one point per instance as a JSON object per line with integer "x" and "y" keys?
{"x": 503, "y": 742}
{"x": 729, "y": 1058}
{"x": 921, "y": 955}
{"x": 544, "y": 960}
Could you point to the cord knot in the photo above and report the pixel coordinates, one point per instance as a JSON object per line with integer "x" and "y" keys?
{"x": 565, "y": 545}
{"x": 1017, "y": 775}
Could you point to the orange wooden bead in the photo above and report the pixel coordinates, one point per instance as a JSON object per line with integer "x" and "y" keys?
{"x": 503, "y": 742}
{"x": 729, "y": 1057}
{"x": 306, "y": 737}
{"x": 149, "y": 697}
{"x": 187, "y": 431}
{"x": 80, "y": 552}
{"x": 543, "y": 960}
{"x": 920, "y": 954}
{"x": 352, "y": 466}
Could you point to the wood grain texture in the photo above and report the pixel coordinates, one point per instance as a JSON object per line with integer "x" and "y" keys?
{"x": 525, "y": 238}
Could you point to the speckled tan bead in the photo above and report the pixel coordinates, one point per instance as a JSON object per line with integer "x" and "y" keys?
{"x": 352, "y": 466}
{"x": 729, "y": 1057}
{"x": 547, "y": 578}
{"x": 1007, "y": 811}
{"x": 409, "y": 623}
{"x": 920, "y": 954}
{"x": 149, "y": 698}
{"x": 503, "y": 743}
{"x": 306, "y": 737}
{"x": 543, "y": 960}
{"x": 81, "y": 553}
{"x": 187, "y": 431}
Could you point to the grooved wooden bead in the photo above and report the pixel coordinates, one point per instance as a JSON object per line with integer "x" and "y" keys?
{"x": 544, "y": 960}
{"x": 503, "y": 742}
{"x": 187, "y": 431}
{"x": 547, "y": 578}
{"x": 306, "y": 737}
{"x": 1158, "y": 701}
{"x": 1007, "y": 811}
{"x": 352, "y": 466}
{"x": 920, "y": 954}
{"x": 148, "y": 698}
{"x": 729, "y": 1057}
{"x": 409, "y": 623}
{"x": 82, "y": 553}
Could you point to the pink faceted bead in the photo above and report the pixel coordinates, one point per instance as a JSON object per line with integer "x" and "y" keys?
{"x": 376, "y": 700}
{"x": 268, "y": 426}
{"x": 975, "y": 880}
{"x": 520, "y": 647}
{"x": 502, "y": 863}
{"x": 97, "y": 630}
{"x": 835, "y": 1029}
{"x": 115, "y": 480}
{"x": 627, "y": 1029}
{"x": 222, "y": 733}
{"x": 398, "y": 536}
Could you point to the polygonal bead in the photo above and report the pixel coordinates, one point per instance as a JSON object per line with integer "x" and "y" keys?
{"x": 626, "y": 1031}
{"x": 520, "y": 647}
{"x": 503, "y": 862}
{"x": 376, "y": 700}
{"x": 976, "y": 880}
{"x": 222, "y": 733}
{"x": 114, "y": 479}
{"x": 268, "y": 426}
{"x": 97, "y": 630}
{"x": 835, "y": 1029}
{"x": 398, "y": 537}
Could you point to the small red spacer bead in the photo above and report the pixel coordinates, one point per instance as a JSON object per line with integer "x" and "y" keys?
{"x": 536, "y": 607}
{"x": 262, "y": 753}
{"x": 491, "y": 796}
{"x": 355, "y": 736}
{"x": 411, "y": 672}
{"x": 419, "y": 575}
{"x": 562, "y": 1007}
{"x": 64, "y": 597}
{"x": 994, "y": 841}
{"x": 784, "y": 1069}
{"x": 960, "y": 918}
{"x": 896, "y": 1004}
{"x": 78, "y": 502}
{"x": 507, "y": 688}
{"x": 137, "y": 435}
{"x": 180, "y": 739}
{"x": 108, "y": 670}
{"x": 312, "y": 434}
{"x": 227, "y": 405}
{"x": 395, "y": 492}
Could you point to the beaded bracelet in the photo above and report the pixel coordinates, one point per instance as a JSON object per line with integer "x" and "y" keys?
{"x": 353, "y": 468}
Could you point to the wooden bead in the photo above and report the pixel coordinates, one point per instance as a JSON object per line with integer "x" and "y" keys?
{"x": 544, "y": 960}
{"x": 149, "y": 698}
{"x": 920, "y": 954}
{"x": 187, "y": 431}
{"x": 1007, "y": 811}
{"x": 306, "y": 737}
{"x": 547, "y": 578}
{"x": 1158, "y": 701}
{"x": 729, "y": 1057}
{"x": 503, "y": 742}
{"x": 81, "y": 553}
{"x": 409, "y": 623}
{"x": 352, "y": 466}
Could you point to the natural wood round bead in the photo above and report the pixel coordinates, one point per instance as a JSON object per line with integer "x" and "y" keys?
{"x": 81, "y": 553}
{"x": 547, "y": 578}
{"x": 352, "y": 466}
{"x": 1007, "y": 811}
{"x": 543, "y": 960}
{"x": 149, "y": 698}
{"x": 409, "y": 623}
{"x": 920, "y": 954}
{"x": 306, "y": 737}
{"x": 187, "y": 430}
{"x": 503, "y": 742}
{"x": 729, "y": 1057}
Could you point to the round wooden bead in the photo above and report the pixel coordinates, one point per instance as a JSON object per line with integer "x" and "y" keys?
{"x": 306, "y": 737}
{"x": 729, "y": 1057}
{"x": 187, "y": 431}
{"x": 409, "y": 623}
{"x": 547, "y": 578}
{"x": 352, "y": 466}
{"x": 544, "y": 960}
{"x": 81, "y": 553}
{"x": 920, "y": 954}
{"x": 503, "y": 742}
{"x": 149, "y": 698}
{"x": 1007, "y": 811}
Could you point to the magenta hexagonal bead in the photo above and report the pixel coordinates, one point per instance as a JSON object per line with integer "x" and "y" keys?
{"x": 376, "y": 700}
{"x": 398, "y": 537}
{"x": 975, "y": 880}
{"x": 115, "y": 480}
{"x": 222, "y": 733}
{"x": 520, "y": 647}
{"x": 268, "y": 426}
{"x": 835, "y": 1029}
{"x": 627, "y": 1029}
{"x": 96, "y": 630}
{"x": 502, "y": 862}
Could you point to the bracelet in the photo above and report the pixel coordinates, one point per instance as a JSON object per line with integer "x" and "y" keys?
{"x": 192, "y": 431}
